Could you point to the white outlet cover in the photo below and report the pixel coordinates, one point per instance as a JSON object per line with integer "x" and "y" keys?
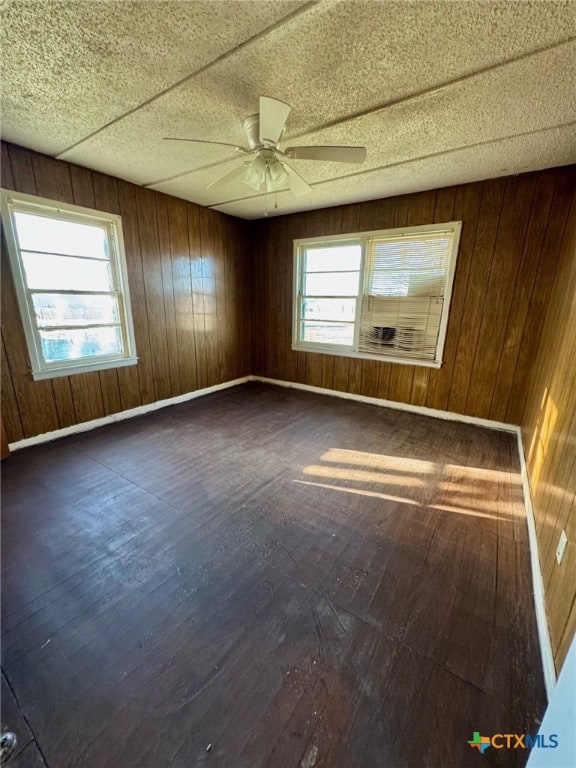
{"x": 561, "y": 547}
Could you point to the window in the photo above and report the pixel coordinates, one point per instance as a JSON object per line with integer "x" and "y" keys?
{"x": 70, "y": 277}
{"x": 380, "y": 295}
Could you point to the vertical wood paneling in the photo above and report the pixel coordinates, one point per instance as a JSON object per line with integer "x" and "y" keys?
{"x": 22, "y": 171}
{"x": 222, "y": 287}
{"x": 270, "y": 318}
{"x": 197, "y": 294}
{"x": 281, "y": 308}
{"x": 162, "y": 206}
{"x": 549, "y": 433}
{"x": 466, "y": 206}
{"x": 208, "y": 268}
{"x": 563, "y": 192}
{"x": 10, "y": 412}
{"x": 272, "y": 321}
{"x": 512, "y": 227}
{"x": 168, "y": 309}
{"x": 12, "y": 423}
{"x": 154, "y": 290}
{"x": 182, "y": 286}
{"x": 238, "y": 313}
{"x": 520, "y": 304}
{"x": 245, "y": 288}
{"x": 480, "y": 261}
{"x": 511, "y": 230}
{"x": 6, "y": 168}
{"x": 259, "y": 253}
{"x": 314, "y": 369}
{"x": 119, "y": 386}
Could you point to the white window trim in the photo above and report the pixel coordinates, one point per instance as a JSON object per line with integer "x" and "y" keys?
{"x": 361, "y": 238}
{"x": 53, "y": 208}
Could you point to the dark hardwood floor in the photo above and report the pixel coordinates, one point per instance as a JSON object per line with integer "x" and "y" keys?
{"x": 266, "y": 578}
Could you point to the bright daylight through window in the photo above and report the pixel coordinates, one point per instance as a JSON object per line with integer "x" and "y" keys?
{"x": 378, "y": 295}
{"x": 70, "y": 277}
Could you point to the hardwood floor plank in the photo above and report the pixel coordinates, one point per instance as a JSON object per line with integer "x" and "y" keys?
{"x": 13, "y": 719}
{"x": 30, "y": 757}
{"x": 278, "y": 575}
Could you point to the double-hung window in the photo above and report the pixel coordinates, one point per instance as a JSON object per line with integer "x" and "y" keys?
{"x": 70, "y": 277}
{"x": 381, "y": 295}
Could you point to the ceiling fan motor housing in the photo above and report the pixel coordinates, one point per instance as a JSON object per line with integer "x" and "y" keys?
{"x": 265, "y": 172}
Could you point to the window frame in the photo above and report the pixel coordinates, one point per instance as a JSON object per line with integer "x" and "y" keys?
{"x": 112, "y": 223}
{"x": 362, "y": 238}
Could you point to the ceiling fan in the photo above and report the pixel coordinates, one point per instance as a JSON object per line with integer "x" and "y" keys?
{"x": 267, "y": 169}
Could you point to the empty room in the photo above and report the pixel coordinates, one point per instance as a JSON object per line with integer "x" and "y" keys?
{"x": 288, "y": 378}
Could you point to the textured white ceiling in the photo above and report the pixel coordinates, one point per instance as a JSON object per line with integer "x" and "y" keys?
{"x": 438, "y": 92}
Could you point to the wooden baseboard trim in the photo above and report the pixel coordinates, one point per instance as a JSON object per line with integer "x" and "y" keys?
{"x": 86, "y": 426}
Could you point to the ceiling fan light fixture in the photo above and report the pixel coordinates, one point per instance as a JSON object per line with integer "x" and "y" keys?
{"x": 278, "y": 174}
{"x": 256, "y": 173}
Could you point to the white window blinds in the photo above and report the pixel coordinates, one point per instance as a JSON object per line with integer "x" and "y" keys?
{"x": 403, "y": 299}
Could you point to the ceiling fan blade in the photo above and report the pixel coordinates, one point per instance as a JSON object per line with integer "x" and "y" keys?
{"x": 273, "y": 116}
{"x": 335, "y": 154}
{"x": 236, "y": 174}
{"x": 297, "y": 184}
{"x": 205, "y": 141}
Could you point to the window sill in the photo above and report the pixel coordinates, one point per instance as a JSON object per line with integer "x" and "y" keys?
{"x": 339, "y": 352}
{"x": 70, "y": 370}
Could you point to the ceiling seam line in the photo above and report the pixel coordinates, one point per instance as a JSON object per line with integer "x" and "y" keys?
{"x": 272, "y": 28}
{"x": 410, "y": 160}
{"x": 386, "y": 105}
{"x": 439, "y": 87}
{"x": 194, "y": 170}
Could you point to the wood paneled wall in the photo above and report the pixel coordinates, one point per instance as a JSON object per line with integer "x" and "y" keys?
{"x": 512, "y": 228}
{"x": 189, "y": 286}
{"x": 549, "y": 436}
